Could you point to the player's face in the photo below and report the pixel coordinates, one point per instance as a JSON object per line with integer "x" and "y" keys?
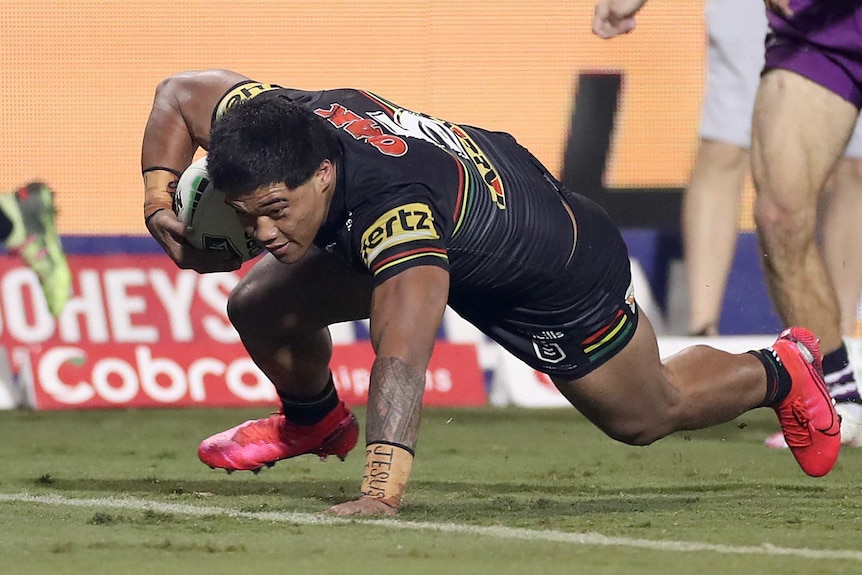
{"x": 286, "y": 220}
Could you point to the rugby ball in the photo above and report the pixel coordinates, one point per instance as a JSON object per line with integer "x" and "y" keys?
{"x": 211, "y": 224}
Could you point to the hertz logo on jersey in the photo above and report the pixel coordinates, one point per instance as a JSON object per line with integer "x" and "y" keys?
{"x": 241, "y": 93}
{"x": 401, "y": 225}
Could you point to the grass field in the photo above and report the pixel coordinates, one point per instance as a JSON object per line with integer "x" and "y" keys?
{"x": 502, "y": 491}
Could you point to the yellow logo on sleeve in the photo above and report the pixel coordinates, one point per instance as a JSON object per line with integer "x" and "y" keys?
{"x": 401, "y": 225}
{"x": 241, "y": 93}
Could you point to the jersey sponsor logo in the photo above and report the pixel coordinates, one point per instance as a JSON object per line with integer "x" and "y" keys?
{"x": 241, "y": 93}
{"x": 363, "y": 129}
{"x": 401, "y": 225}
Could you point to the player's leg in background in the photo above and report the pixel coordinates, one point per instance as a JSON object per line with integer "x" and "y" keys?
{"x": 28, "y": 229}
{"x": 841, "y": 234}
{"x": 841, "y": 238}
{"x": 710, "y": 212}
{"x": 710, "y": 209}
{"x": 800, "y": 130}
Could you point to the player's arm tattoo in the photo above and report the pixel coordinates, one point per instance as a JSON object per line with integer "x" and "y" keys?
{"x": 394, "y": 402}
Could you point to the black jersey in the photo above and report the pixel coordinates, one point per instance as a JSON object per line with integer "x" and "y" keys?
{"x": 531, "y": 264}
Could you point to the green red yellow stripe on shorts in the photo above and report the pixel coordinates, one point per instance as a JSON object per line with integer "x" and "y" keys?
{"x": 610, "y": 338}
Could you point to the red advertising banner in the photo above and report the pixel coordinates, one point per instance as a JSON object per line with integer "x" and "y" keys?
{"x": 138, "y": 332}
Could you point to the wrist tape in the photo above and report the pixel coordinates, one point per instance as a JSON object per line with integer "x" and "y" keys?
{"x": 157, "y": 204}
{"x": 159, "y": 191}
{"x": 387, "y": 468}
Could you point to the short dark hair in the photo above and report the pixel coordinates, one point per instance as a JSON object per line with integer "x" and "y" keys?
{"x": 267, "y": 140}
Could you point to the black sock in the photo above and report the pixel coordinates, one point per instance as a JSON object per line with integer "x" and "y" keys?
{"x": 836, "y": 360}
{"x": 777, "y": 379}
{"x": 839, "y": 376}
{"x": 314, "y": 409}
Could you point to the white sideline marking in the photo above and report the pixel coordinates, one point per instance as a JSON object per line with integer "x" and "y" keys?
{"x": 500, "y": 532}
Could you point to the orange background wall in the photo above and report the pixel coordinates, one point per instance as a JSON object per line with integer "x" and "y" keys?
{"x": 77, "y": 79}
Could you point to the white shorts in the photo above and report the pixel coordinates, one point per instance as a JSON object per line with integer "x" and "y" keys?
{"x": 736, "y": 30}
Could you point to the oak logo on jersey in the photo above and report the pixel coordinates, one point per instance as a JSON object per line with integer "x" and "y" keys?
{"x": 444, "y": 134}
{"x": 241, "y": 93}
{"x": 407, "y": 223}
{"x": 363, "y": 129}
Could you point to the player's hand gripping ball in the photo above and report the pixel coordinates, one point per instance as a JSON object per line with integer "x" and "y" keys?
{"x": 211, "y": 224}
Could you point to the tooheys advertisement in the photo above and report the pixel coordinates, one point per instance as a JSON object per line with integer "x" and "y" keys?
{"x": 139, "y": 332}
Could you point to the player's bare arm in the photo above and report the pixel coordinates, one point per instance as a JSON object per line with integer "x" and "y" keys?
{"x": 396, "y": 403}
{"x": 179, "y": 123}
{"x": 616, "y": 17}
{"x": 406, "y": 313}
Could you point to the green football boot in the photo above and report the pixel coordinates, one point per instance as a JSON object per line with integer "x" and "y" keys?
{"x": 34, "y": 238}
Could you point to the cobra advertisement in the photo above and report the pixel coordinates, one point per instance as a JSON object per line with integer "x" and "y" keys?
{"x": 142, "y": 333}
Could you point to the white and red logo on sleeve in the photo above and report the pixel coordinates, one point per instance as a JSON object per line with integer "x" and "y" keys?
{"x": 138, "y": 332}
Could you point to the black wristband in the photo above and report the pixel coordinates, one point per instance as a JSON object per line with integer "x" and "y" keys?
{"x": 177, "y": 173}
{"x": 149, "y": 217}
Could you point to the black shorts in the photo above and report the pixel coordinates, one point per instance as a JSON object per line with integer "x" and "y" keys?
{"x": 580, "y": 321}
